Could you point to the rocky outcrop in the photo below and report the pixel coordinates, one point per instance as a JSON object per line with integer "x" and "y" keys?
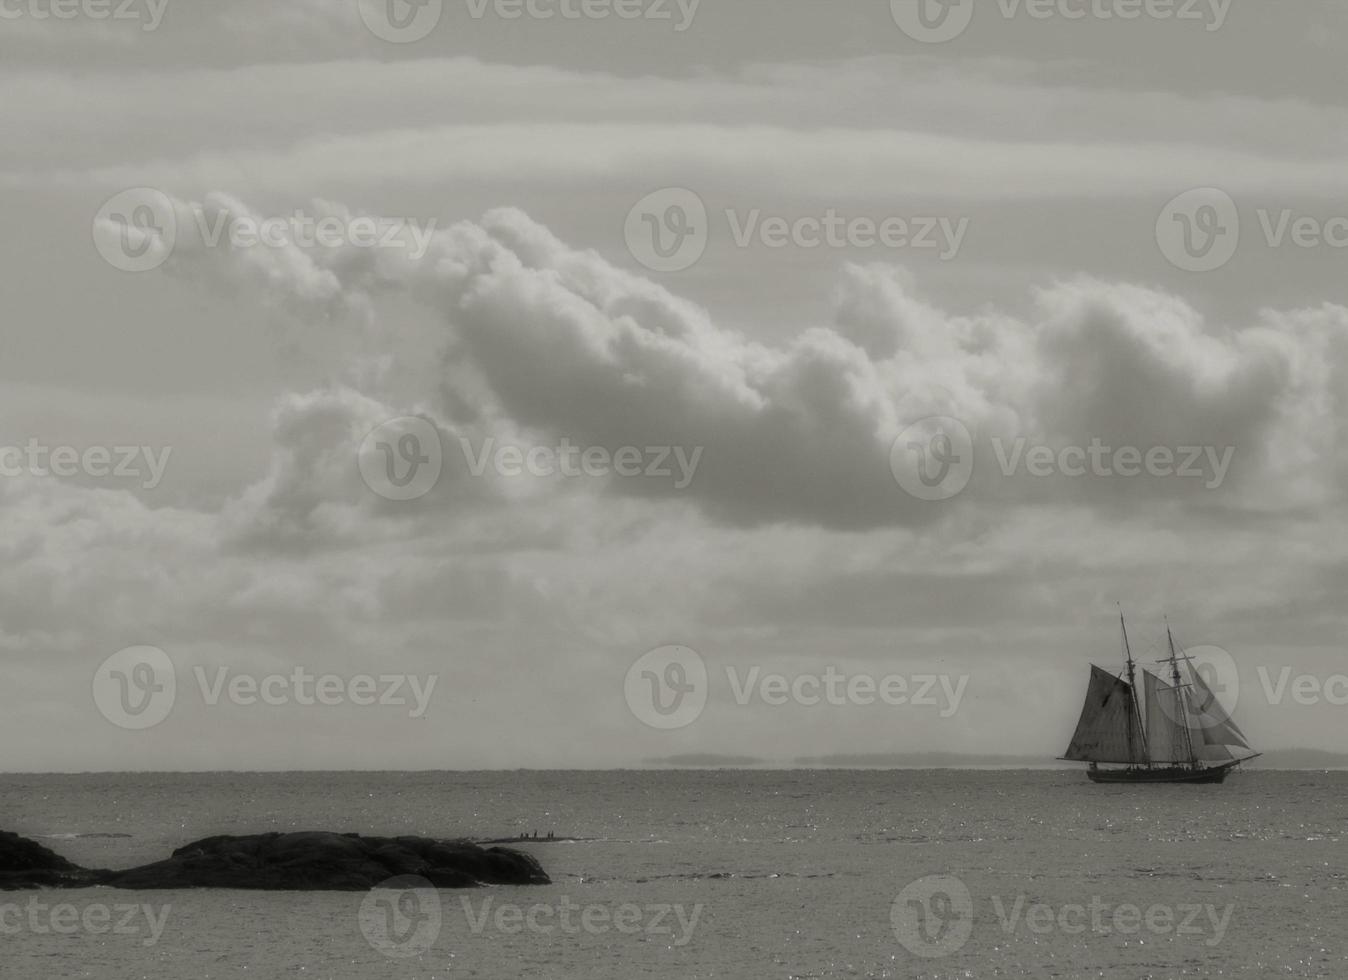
{"x": 315, "y": 861}
{"x": 310, "y": 861}
{"x": 27, "y": 864}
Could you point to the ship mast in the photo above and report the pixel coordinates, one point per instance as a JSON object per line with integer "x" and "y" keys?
{"x": 1134, "y": 714}
{"x": 1181, "y": 697}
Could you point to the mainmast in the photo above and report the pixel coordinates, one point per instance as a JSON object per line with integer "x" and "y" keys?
{"x": 1181, "y": 698}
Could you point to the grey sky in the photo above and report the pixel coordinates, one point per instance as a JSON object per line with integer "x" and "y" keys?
{"x": 1057, "y": 319}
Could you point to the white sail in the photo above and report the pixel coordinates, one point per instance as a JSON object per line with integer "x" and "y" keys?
{"x": 1212, "y": 725}
{"x": 1166, "y": 742}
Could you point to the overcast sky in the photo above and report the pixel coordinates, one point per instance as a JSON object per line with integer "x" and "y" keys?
{"x": 1036, "y": 180}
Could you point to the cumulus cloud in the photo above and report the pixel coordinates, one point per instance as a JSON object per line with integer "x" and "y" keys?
{"x": 561, "y": 344}
{"x": 541, "y": 342}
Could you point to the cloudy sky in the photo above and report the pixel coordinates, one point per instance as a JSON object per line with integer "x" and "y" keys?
{"x": 743, "y": 253}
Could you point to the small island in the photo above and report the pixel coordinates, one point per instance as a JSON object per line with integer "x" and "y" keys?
{"x": 305, "y": 861}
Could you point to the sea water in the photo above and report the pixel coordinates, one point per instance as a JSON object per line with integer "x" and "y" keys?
{"x": 737, "y": 874}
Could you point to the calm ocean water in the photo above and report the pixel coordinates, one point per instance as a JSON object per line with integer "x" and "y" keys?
{"x": 721, "y": 874}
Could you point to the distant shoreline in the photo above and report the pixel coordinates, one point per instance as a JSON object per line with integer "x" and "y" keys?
{"x": 1260, "y": 765}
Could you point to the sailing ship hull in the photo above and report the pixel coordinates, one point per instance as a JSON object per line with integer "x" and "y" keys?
{"x": 1167, "y": 774}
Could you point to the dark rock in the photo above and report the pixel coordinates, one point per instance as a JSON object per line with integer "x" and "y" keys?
{"x": 315, "y": 861}
{"x": 310, "y": 861}
{"x": 27, "y": 864}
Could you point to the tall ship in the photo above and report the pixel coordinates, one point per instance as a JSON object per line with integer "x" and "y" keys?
{"x": 1177, "y": 732}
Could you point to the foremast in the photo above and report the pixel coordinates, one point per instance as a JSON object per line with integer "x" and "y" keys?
{"x": 1135, "y": 727}
{"x": 1110, "y": 729}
